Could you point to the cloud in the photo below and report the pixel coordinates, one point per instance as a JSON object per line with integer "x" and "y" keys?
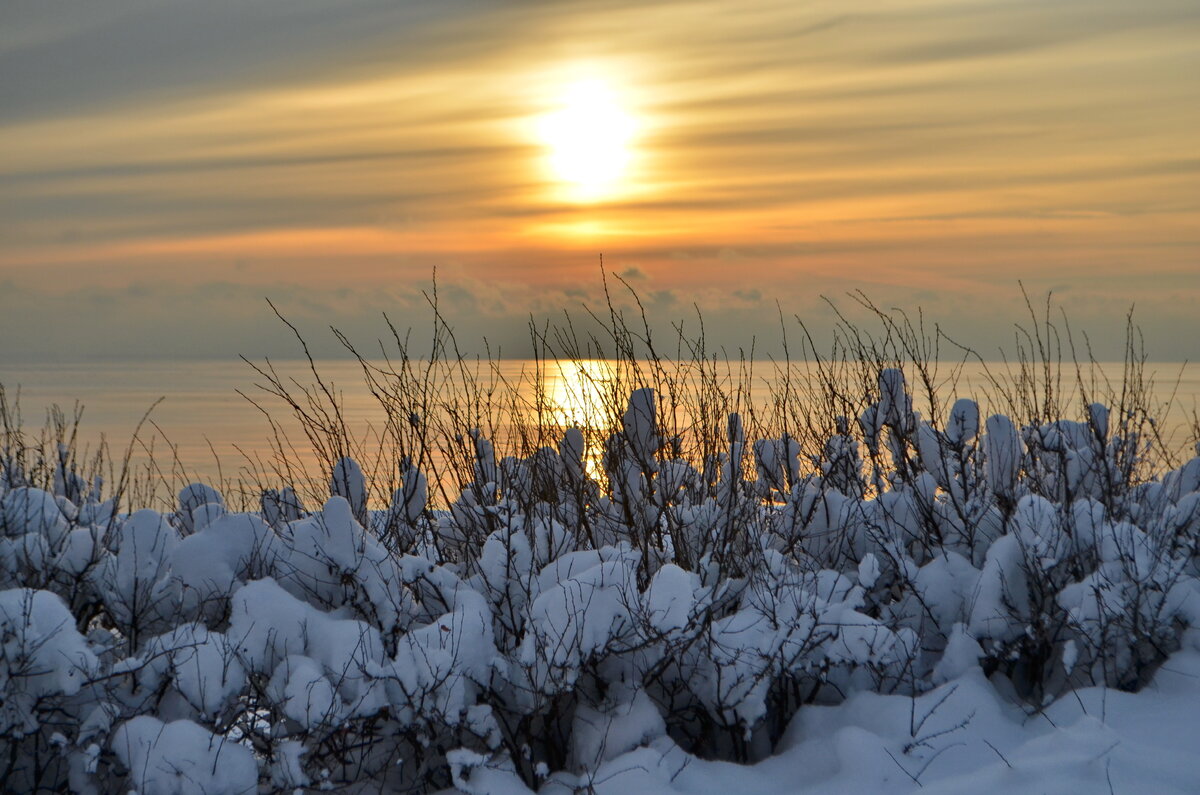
{"x": 334, "y": 154}
{"x": 101, "y": 60}
{"x": 223, "y": 320}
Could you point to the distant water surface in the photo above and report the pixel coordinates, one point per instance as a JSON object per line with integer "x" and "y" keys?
{"x": 212, "y": 429}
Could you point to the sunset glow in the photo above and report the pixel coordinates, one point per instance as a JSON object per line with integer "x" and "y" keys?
{"x": 722, "y": 156}
{"x": 588, "y": 140}
{"x": 606, "y": 395}
{"x": 581, "y": 393}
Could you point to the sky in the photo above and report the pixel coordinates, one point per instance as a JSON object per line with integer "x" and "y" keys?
{"x": 165, "y": 166}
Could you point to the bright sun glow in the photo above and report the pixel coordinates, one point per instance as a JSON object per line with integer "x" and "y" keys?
{"x": 589, "y": 138}
{"x": 579, "y": 392}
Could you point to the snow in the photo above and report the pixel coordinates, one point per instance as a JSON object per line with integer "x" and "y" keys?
{"x": 202, "y": 665}
{"x": 963, "y": 736}
{"x": 181, "y": 758}
{"x": 626, "y": 721}
{"x": 956, "y": 611}
{"x": 348, "y": 482}
{"x": 268, "y": 625}
{"x": 582, "y": 613}
{"x": 26, "y": 510}
{"x": 571, "y": 449}
{"x": 638, "y": 424}
{"x": 1001, "y": 599}
{"x": 670, "y": 598}
{"x": 1002, "y": 450}
{"x": 41, "y": 655}
{"x": 135, "y": 576}
{"x": 335, "y": 564}
{"x": 191, "y": 497}
{"x": 208, "y": 565}
{"x": 304, "y": 693}
{"x": 964, "y": 421}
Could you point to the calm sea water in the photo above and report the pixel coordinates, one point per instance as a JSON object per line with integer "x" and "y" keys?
{"x": 212, "y": 429}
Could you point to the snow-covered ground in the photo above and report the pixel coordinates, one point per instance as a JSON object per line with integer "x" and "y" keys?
{"x": 979, "y": 606}
{"x": 971, "y": 737}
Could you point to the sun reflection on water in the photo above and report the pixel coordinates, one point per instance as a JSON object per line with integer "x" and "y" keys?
{"x": 580, "y": 393}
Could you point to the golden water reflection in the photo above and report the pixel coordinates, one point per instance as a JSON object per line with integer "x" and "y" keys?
{"x": 581, "y": 394}
{"x": 209, "y": 432}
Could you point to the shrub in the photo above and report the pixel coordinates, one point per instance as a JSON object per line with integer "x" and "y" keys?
{"x": 691, "y": 570}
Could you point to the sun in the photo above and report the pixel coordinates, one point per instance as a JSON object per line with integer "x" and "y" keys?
{"x": 588, "y": 139}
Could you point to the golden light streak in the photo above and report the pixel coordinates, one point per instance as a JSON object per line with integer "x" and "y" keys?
{"x": 579, "y": 393}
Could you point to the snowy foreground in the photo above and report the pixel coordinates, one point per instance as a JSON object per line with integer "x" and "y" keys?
{"x": 977, "y": 607}
{"x": 1094, "y": 740}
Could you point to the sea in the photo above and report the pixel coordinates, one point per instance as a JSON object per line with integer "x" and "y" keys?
{"x": 213, "y": 421}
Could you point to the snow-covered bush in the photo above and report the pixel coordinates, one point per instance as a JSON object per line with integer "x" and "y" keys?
{"x": 596, "y": 591}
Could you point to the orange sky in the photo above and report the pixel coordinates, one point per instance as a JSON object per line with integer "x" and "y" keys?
{"x": 166, "y": 165}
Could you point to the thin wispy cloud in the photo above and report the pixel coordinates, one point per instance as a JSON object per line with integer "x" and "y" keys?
{"x": 932, "y": 148}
